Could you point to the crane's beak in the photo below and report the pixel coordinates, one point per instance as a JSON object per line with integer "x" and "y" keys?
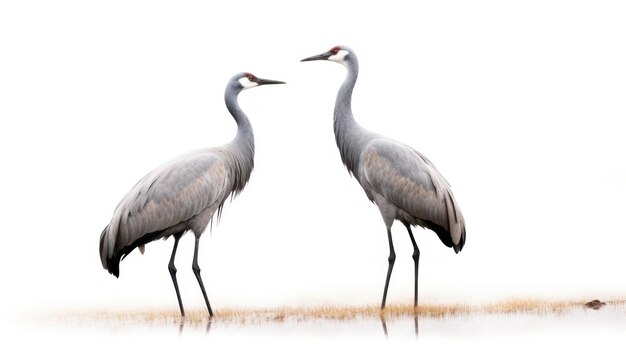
{"x": 323, "y": 56}
{"x": 261, "y": 81}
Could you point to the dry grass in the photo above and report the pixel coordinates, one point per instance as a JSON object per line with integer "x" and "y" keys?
{"x": 299, "y": 314}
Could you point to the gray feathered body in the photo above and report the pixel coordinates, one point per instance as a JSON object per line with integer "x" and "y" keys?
{"x": 403, "y": 183}
{"x": 182, "y": 194}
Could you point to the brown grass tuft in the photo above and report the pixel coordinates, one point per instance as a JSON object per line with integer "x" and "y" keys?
{"x": 301, "y": 314}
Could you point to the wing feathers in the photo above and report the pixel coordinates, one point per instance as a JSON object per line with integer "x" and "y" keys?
{"x": 167, "y": 196}
{"x": 411, "y": 182}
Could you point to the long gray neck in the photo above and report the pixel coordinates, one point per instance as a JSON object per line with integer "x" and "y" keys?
{"x": 349, "y": 135}
{"x": 241, "y": 148}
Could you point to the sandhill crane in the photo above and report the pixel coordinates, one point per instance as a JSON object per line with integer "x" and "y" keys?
{"x": 183, "y": 194}
{"x": 402, "y": 182}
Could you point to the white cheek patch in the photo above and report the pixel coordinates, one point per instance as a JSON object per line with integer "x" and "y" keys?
{"x": 246, "y": 83}
{"x": 339, "y": 56}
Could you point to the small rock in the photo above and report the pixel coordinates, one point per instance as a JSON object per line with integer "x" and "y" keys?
{"x": 595, "y": 304}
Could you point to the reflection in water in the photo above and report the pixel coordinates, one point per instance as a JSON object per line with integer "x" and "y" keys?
{"x": 181, "y": 325}
{"x": 208, "y": 325}
{"x": 384, "y": 323}
{"x": 578, "y": 321}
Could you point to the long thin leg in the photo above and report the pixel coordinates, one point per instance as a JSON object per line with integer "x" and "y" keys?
{"x": 391, "y": 259}
{"x": 416, "y": 259}
{"x": 173, "y": 270}
{"x": 196, "y": 271}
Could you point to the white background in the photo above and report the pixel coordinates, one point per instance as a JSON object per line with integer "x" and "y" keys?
{"x": 519, "y": 104}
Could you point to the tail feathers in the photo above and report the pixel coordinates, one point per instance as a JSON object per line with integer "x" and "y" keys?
{"x": 456, "y": 223}
{"x": 441, "y": 232}
{"x": 110, "y": 260}
{"x": 459, "y": 246}
{"x": 111, "y": 257}
{"x": 445, "y": 237}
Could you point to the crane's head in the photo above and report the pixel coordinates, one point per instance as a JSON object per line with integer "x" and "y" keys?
{"x": 249, "y": 80}
{"x": 340, "y": 53}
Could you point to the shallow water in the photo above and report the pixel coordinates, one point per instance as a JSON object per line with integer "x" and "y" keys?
{"x": 574, "y": 327}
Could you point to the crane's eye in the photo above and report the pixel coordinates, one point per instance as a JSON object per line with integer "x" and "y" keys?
{"x": 334, "y": 50}
{"x": 250, "y": 77}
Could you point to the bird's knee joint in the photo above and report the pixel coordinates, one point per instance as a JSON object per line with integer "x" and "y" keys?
{"x": 172, "y": 269}
{"x": 392, "y": 258}
{"x": 196, "y": 268}
{"x": 416, "y": 255}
